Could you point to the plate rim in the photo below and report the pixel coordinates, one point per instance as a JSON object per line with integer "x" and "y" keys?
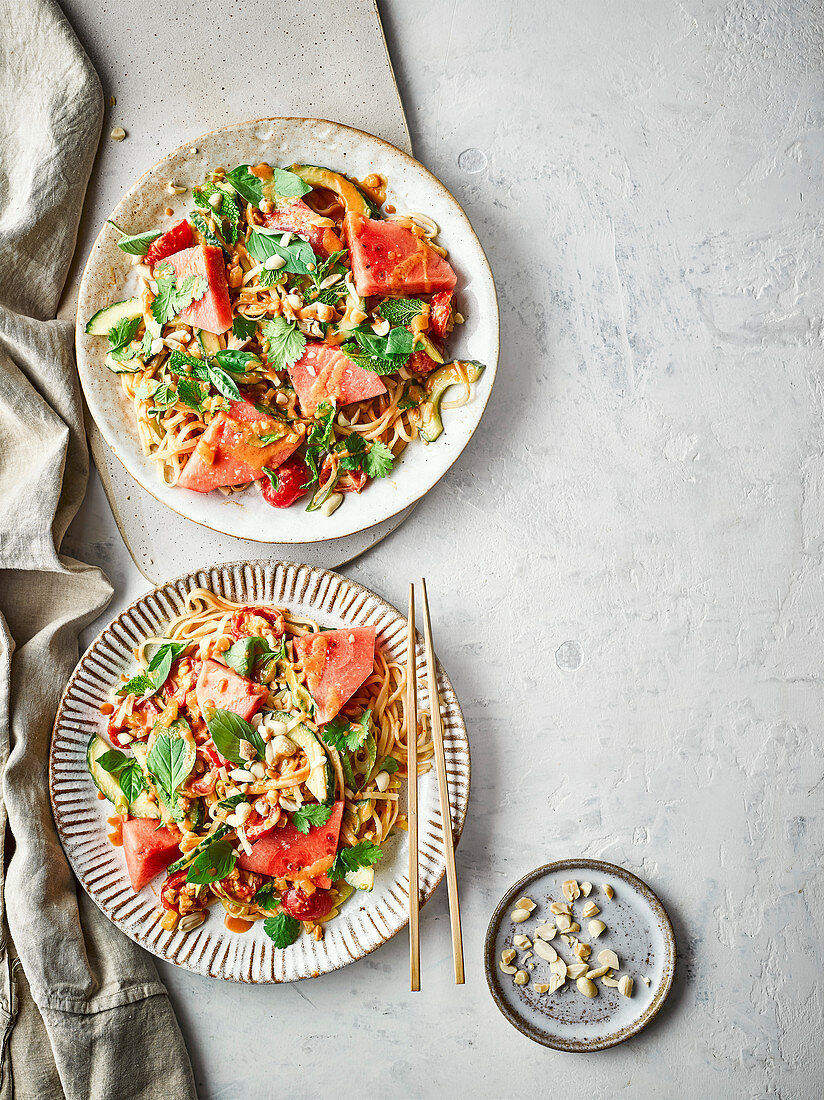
{"x": 581, "y": 1046}
{"x": 263, "y": 564}
{"x": 491, "y": 367}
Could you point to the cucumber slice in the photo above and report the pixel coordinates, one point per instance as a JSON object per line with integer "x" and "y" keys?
{"x": 209, "y": 343}
{"x": 362, "y": 879}
{"x": 109, "y": 786}
{"x": 438, "y": 382}
{"x": 318, "y": 781}
{"x": 131, "y": 366}
{"x": 105, "y": 319}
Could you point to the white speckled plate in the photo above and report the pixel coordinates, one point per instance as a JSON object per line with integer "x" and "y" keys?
{"x": 366, "y": 920}
{"x": 285, "y": 141}
{"x": 638, "y": 930}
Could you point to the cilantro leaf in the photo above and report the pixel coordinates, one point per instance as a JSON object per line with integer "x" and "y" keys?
{"x": 243, "y": 328}
{"x": 353, "y": 451}
{"x": 281, "y": 929}
{"x": 136, "y": 244}
{"x": 286, "y": 343}
{"x": 265, "y": 898}
{"x": 228, "y": 730}
{"x": 343, "y": 734}
{"x": 362, "y": 854}
{"x": 379, "y": 460}
{"x": 400, "y": 311}
{"x": 311, "y": 815}
{"x": 216, "y": 861}
{"x": 123, "y": 332}
{"x": 389, "y": 764}
{"x": 298, "y": 254}
{"x": 172, "y": 299}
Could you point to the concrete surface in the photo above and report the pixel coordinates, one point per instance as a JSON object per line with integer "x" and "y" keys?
{"x": 628, "y": 560}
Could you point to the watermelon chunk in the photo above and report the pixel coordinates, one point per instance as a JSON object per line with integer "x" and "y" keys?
{"x": 212, "y": 312}
{"x": 336, "y": 663}
{"x": 296, "y": 217}
{"x": 287, "y": 853}
{"x": 221, "y": 687}
{"x": 230, "y": 452}
{"x": 324, "y": 373}
{"x": 180, "y": 236}
{"x": 388, "y": 258}
{"x": 148, "y": 850}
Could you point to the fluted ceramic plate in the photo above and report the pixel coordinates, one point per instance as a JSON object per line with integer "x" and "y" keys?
{"x": 366, "y": 920}
{"x": 412, "y": 188}
{"x": 637, "y": 929}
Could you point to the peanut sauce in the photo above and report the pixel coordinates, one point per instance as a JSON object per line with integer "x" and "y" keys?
{"x": 101, "y": 796}
{"x": 116, "y": 835}
{"x": 237, "y": 924}
{"x": 107, "y": 708}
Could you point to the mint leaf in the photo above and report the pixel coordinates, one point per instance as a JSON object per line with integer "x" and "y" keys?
{"x": 243, "y": 328}
{"x": 164, "y": 396}
{"x": 297, "y": 253}
{"x": 312, "y": 815}
{"x": 136, "y": 244}
{"x": 400, "y": 311}
{"x": 247, "y": 652}
{"x": 123, "y": 332}
{"x": 362, "y": 854}
{"x": 203, "y": 229}
{"x": 378, "y": 461}
{"x": 286, "y": 343}
{"x": 228, "y": 730}
{"x": 190, "y": 393}
{"x": 227, "y": 209}
{"x": 282, "y": 929}
{"x": 206, "y": 371}
{"x": 344, "y": 735}
{"x": 216, "y": 861}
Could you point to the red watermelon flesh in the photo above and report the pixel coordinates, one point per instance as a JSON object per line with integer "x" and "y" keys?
{"x": 336, "y": 663}
{"x": 287, "y": 853}
{"x": 230, "y": 453}
{"x": 388, "y": 258}
{"x": 221, "y": 687}
{"x": 296, "y": 217}
{"x": 148, "y": 850}
{"x": 323, "y": 372}
{"x": 212, "y": 312}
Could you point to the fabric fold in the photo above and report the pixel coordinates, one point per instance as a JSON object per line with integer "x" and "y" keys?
{"x": 87, "y": 1017}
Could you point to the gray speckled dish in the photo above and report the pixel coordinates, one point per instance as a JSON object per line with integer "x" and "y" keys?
{"x": 366, "y": 920}
{"x": 282, "y": 141}
{"x": 637, "y": 929}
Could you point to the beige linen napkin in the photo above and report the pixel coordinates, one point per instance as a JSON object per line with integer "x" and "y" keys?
{"x": 87, "y": 1017}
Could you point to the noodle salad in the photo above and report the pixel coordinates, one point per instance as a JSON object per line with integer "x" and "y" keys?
{"x": 257, "y": 759}
{"x": 289, "y": 334}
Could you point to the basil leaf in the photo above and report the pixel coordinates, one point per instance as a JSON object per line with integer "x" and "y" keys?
{"x": 390, "y": 765}
{"x": 286, "y": 184}
{"x": 246, "y": 185}
{"x": 298, "y": 254}
{"x": 282, "y": 929}
{"x": 228, "y": 730}
{"x": 168, "y": 765}
{"x": 132, "y": 782}
{"x": 223, "y": 383}
{"x": 236, "y": 361}
{"x": 216, "y": 861}
{"x": 113, "y": 760}
{"x": 241, "y": 655}
{"x": 136, "y": 244}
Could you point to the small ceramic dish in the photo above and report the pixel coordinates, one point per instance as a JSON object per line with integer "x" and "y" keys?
{"x": 637, "y": 929}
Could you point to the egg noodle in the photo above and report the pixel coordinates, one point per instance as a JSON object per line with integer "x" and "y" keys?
{"x": 216, "y": 793}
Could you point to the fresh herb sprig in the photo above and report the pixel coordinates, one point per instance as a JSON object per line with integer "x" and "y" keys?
{"x": 127, "y": 770}
{"x": 228, "y": 730}
{"x": 362, "y": 854}
{"x": 311, "y": 816}
{"x": 171, "y": 299}
{"x": 345, "y": 735}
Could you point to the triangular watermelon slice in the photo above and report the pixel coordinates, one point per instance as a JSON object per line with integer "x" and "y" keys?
{"x": 336, "y": 663}
{"x": 388, "y": 258}
{"x": 212, "y": 312}
{"x": 324, "y": 373}
{"x": 296, "y": 217}
{"x": 288, "y": 853}
{"x": 230, "y": 451}
{"x": 148, "y": 850}
{"x": 221, "y": 687}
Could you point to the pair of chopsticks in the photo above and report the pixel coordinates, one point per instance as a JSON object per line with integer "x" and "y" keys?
{"x": 443, "y": 788}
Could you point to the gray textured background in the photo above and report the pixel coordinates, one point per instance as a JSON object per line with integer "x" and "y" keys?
{"x": 648, "y": 485}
